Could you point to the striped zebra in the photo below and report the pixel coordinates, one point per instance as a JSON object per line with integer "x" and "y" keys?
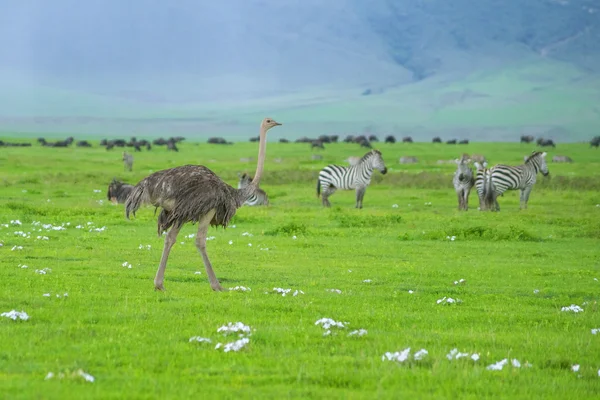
{"x": 484, "y": 187}
{"x": 118, "y": 191}
{"x": 259, "y": 198}
{"x": 463, "y": 182}
{"x": 356, "y": 177}
{"x": 127, "y": 161}
{"x": 523, "y": 177}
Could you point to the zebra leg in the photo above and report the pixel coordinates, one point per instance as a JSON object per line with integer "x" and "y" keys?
{"x": 360, "y": 193}
{"x": 325, "y": 193}
{"x": 460, "y": 200}
{"x": 525, "y": 197}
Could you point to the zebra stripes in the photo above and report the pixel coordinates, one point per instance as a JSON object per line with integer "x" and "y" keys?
{"x": 259, "y": 198}
{"x": 356, "y": 177}
{"x": 522, "y": 177}
{"x": 463, "y": 181}
{"x": 484, "y": 187}
{"x": 127, "y": 161}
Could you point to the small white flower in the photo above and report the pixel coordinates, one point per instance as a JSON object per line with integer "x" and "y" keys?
{"x": 575, "y": 367}
{"x": 595, "y": 331}
{"x": 14, "y": 315}
{"x": 367, "y": 281}
{"x": 294, "y": 237}
{"x": 411, "y": 291}
{"x": 338, "y": 291}
{"x": 536, "y": 291}
{"x": 349, "y": 270}
{"x": 234, "y": 328}
{"x": 198, "y": 273}
{"x": 97, "y": 190}
{"x": 572, "y": 308}
{"x": 249, "y": 244}
{"x": 358, "y": 332}
{"x": 235, "y": 346}
{"x": 474, "y": 356}
{"x": 211, "y": 238}
{"x": 233, "y": 226}
{"x": 515, "y": 363}
{"x": 50, "y": 375}
{"x": 200, "y": 339}
{"x": 399, "y": 356}
{"x": 247, "y": 234}
{"x": 497, "y": 366}
{"x": 231, "y": 242}
{"x": 241, "y": 289}
{"x": 46, "y": 295}
{"x": 17, "y": 248}
{"x": 419, "y": 355}
{"x": 86, "y": 376}
{"x": 127, "y": 265}
{"x": 327, "y": 323}
{"x": 394, "y": 205}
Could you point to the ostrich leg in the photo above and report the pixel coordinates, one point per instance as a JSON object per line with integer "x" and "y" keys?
{"x": 169, "y": 242}
{"x": 201, "y": 245}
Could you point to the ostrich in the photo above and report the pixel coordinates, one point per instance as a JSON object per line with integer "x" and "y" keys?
{"x": 193, "y": 193}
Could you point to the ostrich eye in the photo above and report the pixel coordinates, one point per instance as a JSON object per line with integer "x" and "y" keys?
{"x": 268, "y": 121}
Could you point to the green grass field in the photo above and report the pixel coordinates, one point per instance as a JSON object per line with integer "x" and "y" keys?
{"x": 519, "y": 269}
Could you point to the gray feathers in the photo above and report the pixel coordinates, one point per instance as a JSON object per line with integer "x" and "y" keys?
{"x": 185, "y": 194}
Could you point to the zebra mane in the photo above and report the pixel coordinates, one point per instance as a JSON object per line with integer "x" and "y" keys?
{"x": 369, "y": 155}
{"x": 533, "y": 155}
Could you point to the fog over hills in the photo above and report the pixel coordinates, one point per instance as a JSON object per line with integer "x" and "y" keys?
{"x": 195, "y": 67}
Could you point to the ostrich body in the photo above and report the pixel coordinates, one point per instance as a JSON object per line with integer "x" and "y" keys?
{"x": 193, "y": 193}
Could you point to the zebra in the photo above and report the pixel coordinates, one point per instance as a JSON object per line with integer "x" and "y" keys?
{"x": 259, "y": 198}
{"x": 127, "y": 161}
{"x": 118, "y": 191}
{"x": 357, "y": 177}
{"x": 523, "y": 177}
{"x": 463, "y": 182}
{"x": 483, "y": 186}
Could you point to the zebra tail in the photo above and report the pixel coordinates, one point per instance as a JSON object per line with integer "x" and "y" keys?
{"x": 318, "y": 187}
{"x": 489, "y": 192}
{"x": 135, "y": 198}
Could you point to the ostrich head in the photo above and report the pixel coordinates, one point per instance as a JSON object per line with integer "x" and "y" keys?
{"x": 268, "y": 123}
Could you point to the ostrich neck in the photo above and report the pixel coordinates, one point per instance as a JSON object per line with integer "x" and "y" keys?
{"x": 247, "y": 191}
{"x": 262, "y": 153}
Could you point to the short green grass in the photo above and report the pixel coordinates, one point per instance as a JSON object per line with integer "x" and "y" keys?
{"x": 135, "y": 341}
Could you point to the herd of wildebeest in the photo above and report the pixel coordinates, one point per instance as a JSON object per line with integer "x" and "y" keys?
{"x": 319, "y": 142}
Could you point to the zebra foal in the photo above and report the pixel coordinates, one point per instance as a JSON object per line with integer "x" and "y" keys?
{"x": 259, "y": 198}
{"x": 356, "y": 177}
{"x": 463, "y": 182}
{"x": 127, "y": 161}
{"x": 522, "y": 177}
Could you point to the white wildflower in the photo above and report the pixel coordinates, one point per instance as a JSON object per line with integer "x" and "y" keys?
{"x": 327, "y": 323}
{"x": 367, "y": 281}
{"x": 211, "y": 238}
{"x": 127, "y": 265}
{"x": 17, "y": 248}
{"x": 200, "y": 339}
{"x": 474, "y": 356}
{"x": 515, "y": 363}
{"x": 14, "y": 315}
{"x": 231, "y": 242}
{"x": 338, "y": 291}
{"x": 394, "y": 205}
{"x": 497, "y": 366}
{"x": 233, "y": 346}
{"x": 575, "y": 367}
{"x": 15, "y": 222}
{"x": 249, "y": 244}
{"x": 86, "y": 376}
{"x": 49, "y": 375}
{"x": 46, "y": 295}
{"x": 247, "y": 234}
{"x": 358, "y": 332}
{"x": 536, "y": 291}
{"x": 294, "y": 237}
{"x": 595, "y": 331}
{"x": 241, "y": 289}
{"x": 411, "y": 291}
{"x": 43, "y": 271}
{"x": 399, "y": 356}
{"x": 97, "y": 191}
{"x": 234, "y": 328}
{"x": 572, "y": 308}
{"x": 419, "y": 355}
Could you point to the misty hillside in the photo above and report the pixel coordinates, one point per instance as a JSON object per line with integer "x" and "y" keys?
{"x": 349, "y": 64}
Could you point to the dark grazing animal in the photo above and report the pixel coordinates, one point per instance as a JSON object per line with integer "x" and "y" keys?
{"x": 437, "y": 139}
{"x": 562, "y": 159}
{"x": 527, "y": 138}
{"x": 452, "y": 141}
{"x": 373, "y": 138}
{"x": 407, "y": 139}
{"x": 193, "y": 193}
{"x": 118, "y": 191}
{"x": 545, "y": 142}
{"x": 464, "y": 141}
{"x": 595, "y": 142}
{"x": 259, "y": 198}
{"x": 357, "y": 177}
{"x": 390, "y": 139}
{"x": 317, "y": 143}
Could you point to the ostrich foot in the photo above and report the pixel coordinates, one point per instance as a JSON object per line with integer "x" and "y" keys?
{"x": 217, "y": 287}
{"x": 159, "y": 286}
